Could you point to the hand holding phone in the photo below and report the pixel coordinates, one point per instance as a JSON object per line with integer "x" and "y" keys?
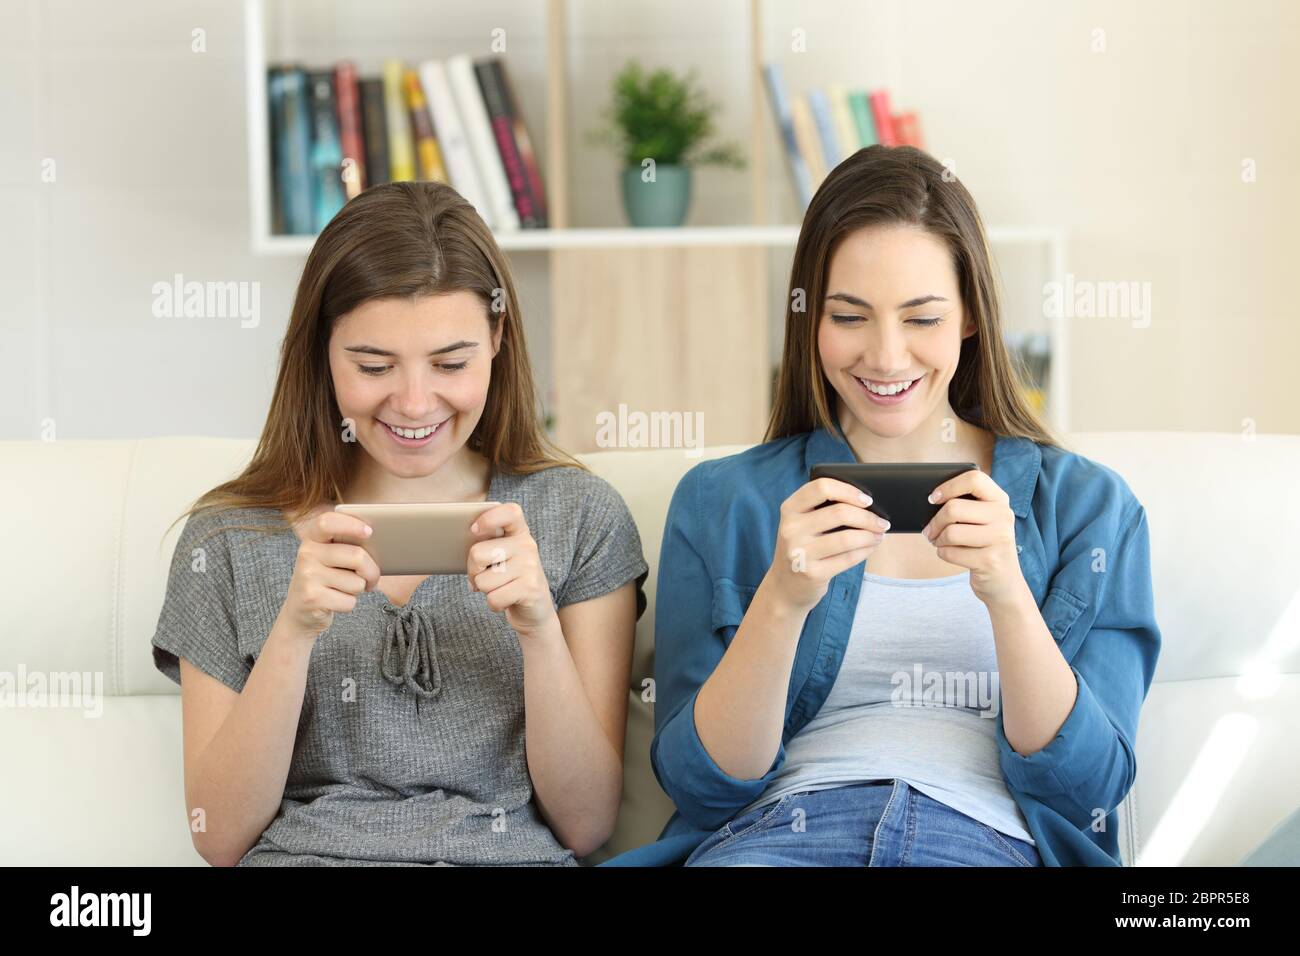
{"x": 810, "y": 549}
{"x": 418, "y": 537}
{"x": 328, "y": 573}
{"x": 899, "y": 491}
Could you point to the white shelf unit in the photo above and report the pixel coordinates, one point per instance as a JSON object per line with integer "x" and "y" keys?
{"x": 1051, "y": 238}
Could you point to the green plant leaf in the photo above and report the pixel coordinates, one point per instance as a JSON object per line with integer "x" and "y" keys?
{"x": 662, "y": 117}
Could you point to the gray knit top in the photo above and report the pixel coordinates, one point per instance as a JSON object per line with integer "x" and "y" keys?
{"x": 410, "y": 746}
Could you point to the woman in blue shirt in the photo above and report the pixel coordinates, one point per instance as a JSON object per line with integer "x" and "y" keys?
{"x": 775, "y": 735}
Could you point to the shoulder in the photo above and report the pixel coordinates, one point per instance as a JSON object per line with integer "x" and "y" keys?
{"x": 216, "y": 530}
{"x": 769, "y": 456}
{"x": 766, "y": 467}
{"x": 569, "y": 481}
{"x": 565, "y": 493}
{"x": 1081, "y": 492}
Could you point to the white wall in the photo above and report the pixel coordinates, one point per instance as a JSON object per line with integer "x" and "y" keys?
{"x": 1136, "y": 150}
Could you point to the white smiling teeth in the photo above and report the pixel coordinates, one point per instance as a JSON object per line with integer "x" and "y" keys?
{"x": 887, "y": 389}
{"x": 413, "y": 432}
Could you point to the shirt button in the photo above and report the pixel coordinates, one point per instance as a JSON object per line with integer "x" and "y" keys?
{"x": 1019, "y": 548}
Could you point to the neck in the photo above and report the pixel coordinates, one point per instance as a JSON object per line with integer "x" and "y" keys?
{"x": 466, "y": 476}
{"x": 942, "y": 437}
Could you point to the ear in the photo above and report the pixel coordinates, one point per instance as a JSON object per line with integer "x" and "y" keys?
{"x": 969, "y": 327}
{"x": 497, "y": 335}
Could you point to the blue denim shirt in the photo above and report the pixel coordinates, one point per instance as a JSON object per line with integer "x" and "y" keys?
{"x": 1083, "y": 543}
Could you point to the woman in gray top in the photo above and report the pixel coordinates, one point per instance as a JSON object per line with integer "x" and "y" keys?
{"x": 336, "y": 716}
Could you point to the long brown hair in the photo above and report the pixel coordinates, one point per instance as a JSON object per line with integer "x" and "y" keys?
{"x": 905, "y": 186}
{"x": 402, "y": 239}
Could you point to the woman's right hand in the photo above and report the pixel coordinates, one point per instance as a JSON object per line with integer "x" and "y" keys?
{"x": 328, "y": 574}
{"x": 806, "y": 557}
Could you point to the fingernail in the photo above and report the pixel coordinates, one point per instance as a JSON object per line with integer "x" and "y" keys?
{"x": 935, "y": 496}
{"x": 864, "y": 497}
{"x": 369, "y": 530}
{"x": 474, "y": 527}
{"x": 884, "y": 525}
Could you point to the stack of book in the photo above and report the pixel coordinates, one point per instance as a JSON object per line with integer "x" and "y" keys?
{"x": 334, "y": 133}
{"x": 821, "y": 128}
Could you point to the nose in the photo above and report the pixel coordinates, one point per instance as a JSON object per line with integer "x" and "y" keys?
{"x": 885, "y": 354}
{"x": 415, "y": 397}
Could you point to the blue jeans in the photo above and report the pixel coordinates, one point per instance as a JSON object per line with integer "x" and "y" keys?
{"x": 878, "y": 823}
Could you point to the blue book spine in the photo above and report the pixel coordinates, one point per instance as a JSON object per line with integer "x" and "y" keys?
{"x": 781, "y": 107}
{"x": 326, "y": 152}
{"x": 295, "y": 154}
{"x": 821, "y": 111}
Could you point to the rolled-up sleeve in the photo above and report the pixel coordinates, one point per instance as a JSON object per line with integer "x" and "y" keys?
{"x": 687, "y": 649}
{"x": 1087, "y": 769}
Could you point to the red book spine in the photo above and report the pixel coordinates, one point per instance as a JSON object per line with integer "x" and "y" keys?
{"x": 884, "y": 118}
{"x": 525, "y": 146}
{"x": 514, "y": 167}
{"x": 907, "y": 126}
{"x": 350, "y": 136}
{"x": 503, "y": 130}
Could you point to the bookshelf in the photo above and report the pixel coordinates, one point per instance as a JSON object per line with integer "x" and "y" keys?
{"x": 717, "y": 278}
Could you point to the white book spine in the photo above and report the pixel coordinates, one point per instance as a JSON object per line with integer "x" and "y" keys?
{"x": 482, "y": 143}
{"x": 451, "y": 138}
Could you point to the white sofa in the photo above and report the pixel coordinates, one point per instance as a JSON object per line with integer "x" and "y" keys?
{"x": 85, "y": 565}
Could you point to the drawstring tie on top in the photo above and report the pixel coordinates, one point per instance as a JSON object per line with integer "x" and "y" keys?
{"x": 407, "y": 657}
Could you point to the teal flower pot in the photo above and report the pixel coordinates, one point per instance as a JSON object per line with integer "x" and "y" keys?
{"x": 663, "y": 202}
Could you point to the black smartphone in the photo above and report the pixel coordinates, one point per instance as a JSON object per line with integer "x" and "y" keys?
{"x": 899, "y": 491}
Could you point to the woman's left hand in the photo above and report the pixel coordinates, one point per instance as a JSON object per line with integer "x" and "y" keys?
{"x": 978, "y": 534}
{"x": 504, "y": 565}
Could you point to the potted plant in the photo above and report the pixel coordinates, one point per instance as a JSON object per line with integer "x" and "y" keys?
{"x": 660, "y": 124}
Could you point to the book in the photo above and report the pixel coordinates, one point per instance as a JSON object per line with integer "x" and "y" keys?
{"x": 512, "y": 143}
{"x": 478, "y": 131}
{"x": 778, "y": 98}
{"x": 275, "y": 123}
{"x": 821, "y": 128}
{"x": 375, "y": 124}
{"x": 846, "y": 130}
{"x": 883, "y": 118}
{"x": 805, "y": 134}
{"x": 294, "y": 151}
{"x": 821, "y": 113}
{"x": 428, "y": 154}
{"x": 861, "y": 108}
{"x": 350, "y": 132}
{"x": 461, "y": 170}
{"x": 326, "y": 153}
{"x": 397, "y": 119}
{"x": 907, "y": 127}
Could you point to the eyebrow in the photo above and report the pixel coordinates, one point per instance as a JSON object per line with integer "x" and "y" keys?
{"x": 864, "y": 304}
{"x": 375, "y": 350}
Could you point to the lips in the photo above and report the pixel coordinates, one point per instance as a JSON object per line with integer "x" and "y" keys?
{"x": 910, "y": 383}
{"x": 415, "y": 428}
{"x": 898, "y": 398}
{"x": 403, "y": 441}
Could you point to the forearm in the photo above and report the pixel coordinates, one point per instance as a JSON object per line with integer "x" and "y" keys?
{"x": 1038, "y": 687}
{"x": 576, "y": 771}
{"x": 740, "y": 709}
{"x": 239, "y": 777}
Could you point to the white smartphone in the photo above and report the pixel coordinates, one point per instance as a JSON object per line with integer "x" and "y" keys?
{"x": 418, "y": 538}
